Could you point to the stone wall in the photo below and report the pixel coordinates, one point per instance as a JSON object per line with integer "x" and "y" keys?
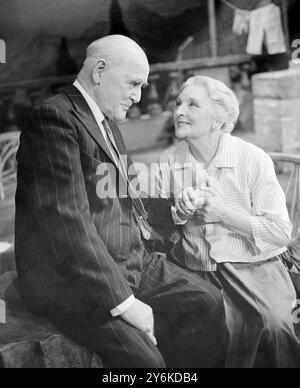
{"x": 277, "y": 109}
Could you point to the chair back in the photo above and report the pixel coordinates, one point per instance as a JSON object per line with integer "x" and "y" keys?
{"x": 9, "y": 144}
{"x": 287, "y": 167}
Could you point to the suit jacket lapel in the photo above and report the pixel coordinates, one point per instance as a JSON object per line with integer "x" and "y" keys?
{"x": 119, "y": 141}
{"x": 85, "y": 116}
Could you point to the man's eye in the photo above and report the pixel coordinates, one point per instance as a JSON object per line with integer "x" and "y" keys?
{"x": 178, "y": 103}
{"x": 194, "y": 104}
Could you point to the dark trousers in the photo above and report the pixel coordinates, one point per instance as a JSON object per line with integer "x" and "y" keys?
{"x": 189, "y": 323}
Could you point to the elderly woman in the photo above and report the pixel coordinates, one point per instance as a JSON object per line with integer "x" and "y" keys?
{"x": 235, "y": 224}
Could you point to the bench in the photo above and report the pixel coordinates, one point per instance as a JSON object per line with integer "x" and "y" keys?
{"x": 30, "y": 342}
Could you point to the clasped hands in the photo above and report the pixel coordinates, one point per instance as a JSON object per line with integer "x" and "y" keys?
{"x": 206, "y": 203}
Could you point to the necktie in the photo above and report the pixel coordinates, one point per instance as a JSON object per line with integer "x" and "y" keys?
{"x": 139, "y": 211}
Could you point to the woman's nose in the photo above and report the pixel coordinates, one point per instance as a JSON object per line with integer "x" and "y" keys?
{"x": 179, "y": 111}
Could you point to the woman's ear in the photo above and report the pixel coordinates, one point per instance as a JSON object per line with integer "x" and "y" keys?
{"x": 98, "y": 70}
{"x": 218, "y": 126}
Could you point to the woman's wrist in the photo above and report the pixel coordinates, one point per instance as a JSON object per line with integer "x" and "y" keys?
{"x": 225, "y": 217}
{"x": 237, "y": 222}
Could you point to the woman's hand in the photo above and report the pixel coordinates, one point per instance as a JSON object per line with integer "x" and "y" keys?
{"x": 213, "y": 209}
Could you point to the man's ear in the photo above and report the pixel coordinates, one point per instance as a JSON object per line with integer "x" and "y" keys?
{"x": 98, "y": 70}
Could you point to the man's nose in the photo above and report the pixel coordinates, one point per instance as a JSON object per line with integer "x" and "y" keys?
{"x": 136, "y": 96}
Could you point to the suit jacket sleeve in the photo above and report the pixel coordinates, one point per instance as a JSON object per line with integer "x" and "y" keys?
{"x": 53, "y": 151}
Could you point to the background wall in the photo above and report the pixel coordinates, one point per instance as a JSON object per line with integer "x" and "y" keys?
{"x": 72, "y": 17}
{"x": 33, "y": 30}
{"x": 58, "y": 17}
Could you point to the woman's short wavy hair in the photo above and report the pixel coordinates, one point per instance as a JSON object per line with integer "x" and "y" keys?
{"x": 225, "y": 101}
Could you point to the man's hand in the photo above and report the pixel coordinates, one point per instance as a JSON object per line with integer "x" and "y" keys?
{"x": 140, "y": 316}
{"x": 185, "y": 205}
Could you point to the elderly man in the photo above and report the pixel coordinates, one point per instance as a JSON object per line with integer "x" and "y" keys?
{"x": 80, "y": 257}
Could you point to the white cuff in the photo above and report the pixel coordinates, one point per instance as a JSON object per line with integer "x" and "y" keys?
{"x": 177, "y": 220}
{"x": 123, "y": 307}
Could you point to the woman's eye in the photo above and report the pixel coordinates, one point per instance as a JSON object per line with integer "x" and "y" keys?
{"x": 178, "y": 103}
{"x": 194, "y": 104}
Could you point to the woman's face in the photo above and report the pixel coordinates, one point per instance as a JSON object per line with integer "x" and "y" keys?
{"x": 194, "y": 115}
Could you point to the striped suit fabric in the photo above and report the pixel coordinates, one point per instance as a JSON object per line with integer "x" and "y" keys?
{"x": 79, "y": 256}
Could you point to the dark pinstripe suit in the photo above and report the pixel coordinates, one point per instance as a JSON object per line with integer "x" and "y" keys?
{"x": 79, "y": 256}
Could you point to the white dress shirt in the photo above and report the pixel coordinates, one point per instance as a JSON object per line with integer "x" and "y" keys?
{"x": 99, "y": 117}
{"x": 249, "y": 184}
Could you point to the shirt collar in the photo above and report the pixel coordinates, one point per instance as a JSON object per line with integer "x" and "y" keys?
{"x": 227, "y": 153}
{"x": 226, "y": 156}
{"x": 91, "y": 103}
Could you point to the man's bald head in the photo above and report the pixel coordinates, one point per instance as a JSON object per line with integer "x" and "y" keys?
{"x": 113, "y": 74}
{"x": 114, "y": 49}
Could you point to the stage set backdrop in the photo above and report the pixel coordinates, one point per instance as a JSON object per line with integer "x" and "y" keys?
{"x": 49, "y": 38}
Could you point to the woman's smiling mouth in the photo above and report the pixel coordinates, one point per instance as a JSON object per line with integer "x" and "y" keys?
{"x": 181, "y": 123}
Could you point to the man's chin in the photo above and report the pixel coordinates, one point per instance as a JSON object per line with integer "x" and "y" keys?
{"x": 120, "y": 116}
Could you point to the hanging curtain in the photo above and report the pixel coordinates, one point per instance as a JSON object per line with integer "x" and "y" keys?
{"x": 263, "y": 23}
